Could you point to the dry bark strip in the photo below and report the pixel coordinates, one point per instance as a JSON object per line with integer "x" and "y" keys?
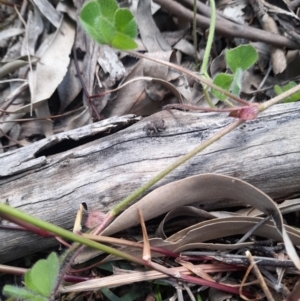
{"x": 49, "y": 179}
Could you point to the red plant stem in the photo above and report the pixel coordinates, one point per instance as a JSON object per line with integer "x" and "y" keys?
{"x": 27, "y": 226}
{"x": 219, "y": 286}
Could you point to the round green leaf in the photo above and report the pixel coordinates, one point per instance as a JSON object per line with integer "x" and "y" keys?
{"x": 224, "y": 81}
{"x": 107, "y": 24}
{"x": 89, "y": 12}
{"x": 243, "y": 56}
{"x": 123, "y": 42}
{"x": 89, "y": 20}
{"x": 42, "y": 277}
{"x": 93, "y": 33}
{"x": 125, "y": 23}
{"x": 106, "y": 29}
{"x": 108, "y": 8}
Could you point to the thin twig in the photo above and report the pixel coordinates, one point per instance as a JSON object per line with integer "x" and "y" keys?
{"x": 9, "y": 138}
{"x": 199, "y": 78}
{"x": 85, "y": 91}
{"x": 35, "y": 119}
{"x": 259, "y": 277}
{"x": 230, "y": 29}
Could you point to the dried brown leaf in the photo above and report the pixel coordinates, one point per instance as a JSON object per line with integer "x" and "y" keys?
{"x": 206, "y": 188}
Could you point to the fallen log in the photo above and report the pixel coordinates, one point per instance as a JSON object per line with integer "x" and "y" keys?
{"x": 50, "y": 178}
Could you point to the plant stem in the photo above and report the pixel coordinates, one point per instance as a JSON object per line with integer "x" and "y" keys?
{"x": 7, "y": 210}
{"x": 204, "y": 66}
{"x": 210, "y": 39}
{"x": 207, "y": 97}
{"x": 125, "y": 202}
{"x": 170, "y": 168}
{"x": 201, "y": 79}
{"x": 265, "y": 105}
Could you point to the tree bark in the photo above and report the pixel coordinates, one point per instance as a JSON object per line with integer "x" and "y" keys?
{"x": 50, "y": 178}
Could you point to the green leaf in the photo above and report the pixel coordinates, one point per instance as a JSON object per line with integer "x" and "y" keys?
{"x": 243, "y": 56}
{"x": 107, "y": 29}
{"x": 237, "y": 82}
{"x": 41, "y": 278}
{"x": 293, "y": 98}
{"x": 108, "y": 24}
{"x": 224, "y": 81}
{"x": 89, "y": 21}
{"x": 89, "y": 12}
{"x": 21, "y": 293}
{"x": 123, "y": 42}
{"x": 125, "y": 23}
{"x": 94, "y": 34}
{"x": 108, "y": 8}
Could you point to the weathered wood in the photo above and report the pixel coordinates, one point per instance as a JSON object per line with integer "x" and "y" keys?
{"x": 265, "y": 152}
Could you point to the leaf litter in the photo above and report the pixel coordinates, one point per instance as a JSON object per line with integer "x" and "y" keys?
{"x": 40, "y": 55}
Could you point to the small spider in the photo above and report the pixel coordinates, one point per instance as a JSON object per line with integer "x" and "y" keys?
{"x": 155, "y": 126}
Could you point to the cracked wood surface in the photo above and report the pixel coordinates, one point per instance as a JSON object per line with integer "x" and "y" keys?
{"x": 265, "y": 152}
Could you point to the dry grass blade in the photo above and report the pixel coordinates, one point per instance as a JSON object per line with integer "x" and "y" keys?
{"x": 146, "y": 245}
{"x": 118, "y": 280}
{"x": 259, "y": 277}
{"x": 197, "y": 270}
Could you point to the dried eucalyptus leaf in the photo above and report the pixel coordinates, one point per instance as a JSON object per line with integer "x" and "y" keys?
{"x": 202, "y": 189}
{"x": 49, "y": 12}
{"x": 11, "y": 32}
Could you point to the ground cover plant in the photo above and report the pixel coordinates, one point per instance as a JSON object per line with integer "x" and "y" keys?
{"x": 109, "y": 24}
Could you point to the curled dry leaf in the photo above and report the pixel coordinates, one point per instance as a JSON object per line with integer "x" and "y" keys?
{"x": 150, "y": 34}
{"x": 207, "y": 188}
{"x": 125, "y": 96}
{"x": 287, "y": 206}
{"x": 34, "y": 29}
{"x": 182, "y": 211}
{"x": 196, "y": 235}
{"x": 8, "y": 33}
{"x": 128, "y": 96}
{"x": 70, "y": 86}
{"x": 49, "y": 12}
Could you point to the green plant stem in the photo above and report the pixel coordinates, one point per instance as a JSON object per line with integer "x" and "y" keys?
{"x": 265, "y": 105}
{"x": 204, "y": 66}
{"x": 125, "y": 202}
{"x": 210, "y": 39}
{"x": 7, "y": 210}
{"x": 207, "y": 97}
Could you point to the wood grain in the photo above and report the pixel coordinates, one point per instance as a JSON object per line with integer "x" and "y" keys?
{"x": 50, "y": 178}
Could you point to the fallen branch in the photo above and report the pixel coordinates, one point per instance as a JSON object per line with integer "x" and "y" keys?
{"x": 50, "y": 178}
